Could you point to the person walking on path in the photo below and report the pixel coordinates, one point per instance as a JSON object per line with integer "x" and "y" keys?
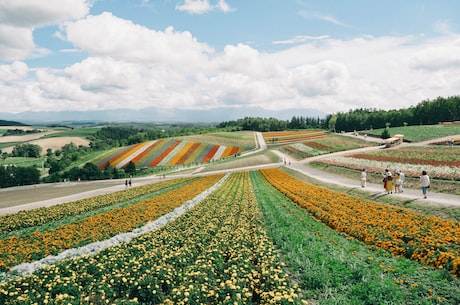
{"x": 363, "y": 177}
{"x": 424, "y": 183}
{"x": 397, "y": 181}
{"x": 388, "y": 182}
{"x": 401, "y": 178}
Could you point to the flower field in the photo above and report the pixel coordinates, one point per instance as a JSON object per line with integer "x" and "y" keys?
{"x": 279, "y": 137}
{"x": 323, "y": 145}
{"x": 40, "y": 216}
{"x": 166, "y": 152}
{"x": 439, "y": 162}
{"x": 429, "y": 240}
{"x": 216, "y": 253}
{"x": 57, "y": 237}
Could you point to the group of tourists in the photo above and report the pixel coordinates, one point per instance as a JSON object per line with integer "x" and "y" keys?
{"x": 393, "y": 182}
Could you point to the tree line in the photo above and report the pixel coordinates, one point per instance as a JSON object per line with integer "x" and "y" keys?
{"x": 273, "y": 124}
{"x": 427, "y": 112}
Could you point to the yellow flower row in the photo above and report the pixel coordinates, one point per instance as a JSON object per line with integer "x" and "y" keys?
{"x": 19, "y": 249}
{"x": 431, "y": 240}
{"x": 217, "y": 253}
{"x": 39, "y": 216}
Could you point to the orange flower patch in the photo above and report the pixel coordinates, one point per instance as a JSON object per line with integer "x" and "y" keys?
{"x": 211, "y": 153}
{"x": 165, "y": 153}
{"x": 188, "y": 153}
{"x": 431, "y": 240}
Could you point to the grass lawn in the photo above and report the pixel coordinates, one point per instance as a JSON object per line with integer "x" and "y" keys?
{"x": 420, "y": 132}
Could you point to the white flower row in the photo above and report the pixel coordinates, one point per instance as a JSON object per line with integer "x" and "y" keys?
{"x": 413, "y": 170}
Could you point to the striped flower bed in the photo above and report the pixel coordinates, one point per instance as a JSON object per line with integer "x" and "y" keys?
{"x": 166, "y": 153}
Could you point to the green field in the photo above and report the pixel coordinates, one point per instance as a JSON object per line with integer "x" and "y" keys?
{"x": 242, "y": 139}
{"x": 82, "y": 132}
{"x": 419, "y": 133}
{"x": 25, "y": 162}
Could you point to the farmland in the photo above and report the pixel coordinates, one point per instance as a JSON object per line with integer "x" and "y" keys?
{"x": 275, "y": 137}
{"x": 420, "y": 133}
{"x": 323, "y": 145}
{"x": 259, "y": 237}
{"x": 223, "y": 250}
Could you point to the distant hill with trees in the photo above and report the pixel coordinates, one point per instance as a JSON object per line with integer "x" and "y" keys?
{"x": 11, "y": 123}
{"x": 427, "y": 112}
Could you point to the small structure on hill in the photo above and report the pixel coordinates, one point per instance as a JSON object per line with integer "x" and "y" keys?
{"x": 393, "y": 141}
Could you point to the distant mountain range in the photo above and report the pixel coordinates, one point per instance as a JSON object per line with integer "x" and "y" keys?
{"x": 154, "y": 115}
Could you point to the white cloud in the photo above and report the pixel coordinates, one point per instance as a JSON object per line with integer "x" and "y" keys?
{"x": 18, "y": 20}
{"x": 301, "y": 39}
{"x": 15, "y": 43}
{"x": 320, "y": 16}
{"x": 224, "y": 7}
{"x": 443, "y": 27}
{"x": 195, "y": 6}
{"x": 16, "y": 71}
{"x": 199, "y": 7}
{"x": 131, "y": 66}
{"x": 107, "y": 35}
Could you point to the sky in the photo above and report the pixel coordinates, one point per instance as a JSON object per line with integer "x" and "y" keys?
{"x": 327, "y": 55}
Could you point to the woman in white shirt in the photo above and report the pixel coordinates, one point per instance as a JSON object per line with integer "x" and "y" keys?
{"x": 363, "y": 177}
{"x": 424, "y": 183}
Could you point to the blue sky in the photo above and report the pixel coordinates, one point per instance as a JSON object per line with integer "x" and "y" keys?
{"x": 202, "y": 54}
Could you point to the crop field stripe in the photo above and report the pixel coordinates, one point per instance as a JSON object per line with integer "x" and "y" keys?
{"x": 235, "y": 150}
{"x": 151, "y": 154}
{"x": 184, "y": 159}
{"x": 180, "y": 154}
{"x": 410, "y": 170}
{"x": 173, "y": 153}
{"x": 165, "y": 152}
{"x": 20, "y": 249}
{"x": 194, "y": 156}
{"x": 158, "y": 150}
{"x": 107, "y": 156}
{"x": 219, "y": 152}
{"x": 227, "y": 152}
{"x": 205, "y": 149}
{"x": 125, "y": 154}
{"x": 139, "y": 150}
{"x": 211, "y": 153}
{"x": 437, "y": 159}
{"x": 104, "y": 157}
{"x": 146, "y": 151}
